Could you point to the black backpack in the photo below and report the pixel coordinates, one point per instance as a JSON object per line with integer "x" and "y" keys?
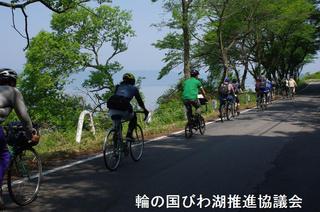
{"x": 224, "y": 90}
{"x": 118, "y": 103}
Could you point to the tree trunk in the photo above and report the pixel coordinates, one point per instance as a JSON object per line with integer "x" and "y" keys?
{"x": 244, "y": 76}
{"x": 186, "y": 38}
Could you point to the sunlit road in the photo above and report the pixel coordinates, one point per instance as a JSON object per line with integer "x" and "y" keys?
{"x": 275, "y": 152}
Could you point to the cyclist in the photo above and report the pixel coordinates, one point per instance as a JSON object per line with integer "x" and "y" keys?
{"x": 226, "y": 93}
{"x": 292, "y": 86}
{"x": 237, "y": 90}
{"x": 119, "y": 102}
{"x": 269, "y": 91}
{"x": 261, "y": 88}
{"x": 191, "y": 88}
{"x": 11, "y": 98}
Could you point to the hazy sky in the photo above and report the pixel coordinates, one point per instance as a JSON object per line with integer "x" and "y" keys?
{"x": 140, "y": 56}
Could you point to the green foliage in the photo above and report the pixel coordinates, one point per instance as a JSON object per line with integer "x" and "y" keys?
{"x": 73, "y": 46}
{"x": 313, "y": 76}
{"x": 178, "y": 42}
{"x": 93, "y": 29}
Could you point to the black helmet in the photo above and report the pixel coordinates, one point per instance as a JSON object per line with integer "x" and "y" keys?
{"x": 8, "y": 76}
{"x": 194, "y": 73}
{"x": 6, "y": 73}
{"x": 129, "y": 78}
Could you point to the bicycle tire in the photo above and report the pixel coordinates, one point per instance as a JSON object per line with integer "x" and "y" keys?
{"x": 229, "y": 112}
{"x": 111, "y": 151}
{"x": 264, "y": 103}
{"x": 24, "y": 176}
{"x": 188, "y": 130}
{"x": 223, "y": 115}
{"x": 202, "y": 125}
{"x": 137, "y": 145}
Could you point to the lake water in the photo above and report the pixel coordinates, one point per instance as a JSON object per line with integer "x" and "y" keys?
{"x": 151, "y": 88}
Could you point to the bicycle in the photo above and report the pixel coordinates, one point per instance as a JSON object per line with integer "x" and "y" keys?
{"x": 115, "y": 147}
{"x": 24, "y": 174}
{"x": 291, "y": 93}
{"x": 227, "y": 110}
{"x": 261, "y": 102}
{"x": 197, "y": 123}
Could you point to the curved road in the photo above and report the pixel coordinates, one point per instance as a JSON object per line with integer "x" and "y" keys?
{"x": 275, "y": 152}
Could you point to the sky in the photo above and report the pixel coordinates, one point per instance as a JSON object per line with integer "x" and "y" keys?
{"x": 141, "y": 58}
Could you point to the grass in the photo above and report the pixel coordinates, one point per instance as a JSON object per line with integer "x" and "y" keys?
{"x": 312, "y": 77}
{"x": 307, "y": 78}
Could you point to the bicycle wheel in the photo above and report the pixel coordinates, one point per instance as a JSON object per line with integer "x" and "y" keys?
{"x": 24, "y": 176}
{"x": 111, "y": 151}
{"x": 264, "y": 103}
{"x": 202, "y": 125}
{"x": 229, "y": 111}
{"x": 137, "y": 145}
{"x": 188, "y": 130}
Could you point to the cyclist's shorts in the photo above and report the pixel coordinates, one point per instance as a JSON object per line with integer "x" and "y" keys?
{"x": 194, "y": 103}
{"x": 124, "y": 115}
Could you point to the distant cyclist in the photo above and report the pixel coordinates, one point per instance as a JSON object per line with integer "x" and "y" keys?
{"x": 226, "y": 93}
{"x": 119, "y": 102}
{"x": 191, "y": 88}
{"x": 269, "y": 89}
{"x": 292, "y": 86}
{"x": 237, "y": 90}
{"x": 11, "y": 98}
{"x": 261, "y": 88}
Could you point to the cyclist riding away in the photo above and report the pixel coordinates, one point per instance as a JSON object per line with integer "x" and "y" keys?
{"x": 11, "y": 98}
{"x": 191, "y": 88}
{"x": 269, "y": 90}
{"x": 261, "y": 88}
{"x": 292, "y": 86}
{"x": 226, "y": 93}
{"x": 237, "y": 90}
{"x": 119, "y": 102}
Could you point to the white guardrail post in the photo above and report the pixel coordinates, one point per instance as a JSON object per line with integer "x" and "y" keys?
{"x": 80, "y": 125}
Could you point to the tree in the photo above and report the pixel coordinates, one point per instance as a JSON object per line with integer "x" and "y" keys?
{"x": 74, "y": 45}
{"x": 57, "y": 6}
{"x": 185, "y": 15}
{"x": 42, "y": 82}
{"x": 94, "y": 31}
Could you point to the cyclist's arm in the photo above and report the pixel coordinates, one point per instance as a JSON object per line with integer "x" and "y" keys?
{"x": 140, "y": 101}
{"x": 203, "y": 92}
{"x": 21, "y": 111}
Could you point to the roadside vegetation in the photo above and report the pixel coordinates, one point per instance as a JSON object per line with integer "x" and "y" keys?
{"x": 307, "y": 78}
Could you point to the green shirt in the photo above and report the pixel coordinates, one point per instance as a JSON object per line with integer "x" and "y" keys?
{"x": 191, "y": 88}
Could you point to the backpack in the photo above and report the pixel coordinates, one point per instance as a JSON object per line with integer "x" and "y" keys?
{"x": 118, "y": 103}
{"x": 224, "y": 90}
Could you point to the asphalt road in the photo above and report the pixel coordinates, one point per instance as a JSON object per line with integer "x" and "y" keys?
{"x": 275, "y": 152}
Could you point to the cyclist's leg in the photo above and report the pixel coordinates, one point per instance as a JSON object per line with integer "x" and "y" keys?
{"x": 132, "y": 117}
{"x": 4, "y": 162}
{"x": 222, "y": 103}
{"x": 188, "y": 106}
{"x": 237, "y": 104}
{"x": 116, "y": 115}
{"x": 196, "y": 105}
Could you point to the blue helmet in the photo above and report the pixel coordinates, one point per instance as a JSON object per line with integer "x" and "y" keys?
{"x": 226, "y": 79}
